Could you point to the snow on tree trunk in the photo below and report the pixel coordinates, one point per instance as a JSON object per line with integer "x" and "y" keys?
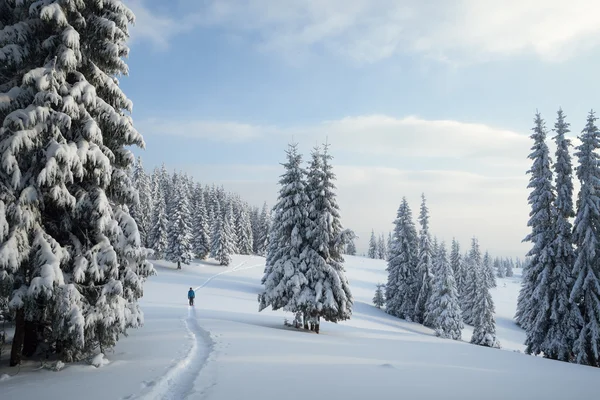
{"x": 402, "y": 287}
{"x": 68, "y": 238}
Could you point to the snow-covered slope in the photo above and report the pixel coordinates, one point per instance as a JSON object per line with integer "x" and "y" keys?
{"x": 222, "y": 348}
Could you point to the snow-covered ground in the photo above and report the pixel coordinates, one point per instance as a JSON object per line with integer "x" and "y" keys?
{"x": 222, "y": 348}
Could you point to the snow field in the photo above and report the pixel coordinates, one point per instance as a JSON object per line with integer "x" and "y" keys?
{"x": 223, "y": 348}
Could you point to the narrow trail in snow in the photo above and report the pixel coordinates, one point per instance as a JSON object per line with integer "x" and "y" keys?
{"x": 178, "y": 382}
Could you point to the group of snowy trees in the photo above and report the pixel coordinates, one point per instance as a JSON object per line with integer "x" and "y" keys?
{"x": 304, "y": 271}
{"x": 72, "y": 267}
{"x": 378, "y": 247}
{"x": 180, "y": 219}
{"x": 559, "y": 302}
{"x": 427, "y": 286}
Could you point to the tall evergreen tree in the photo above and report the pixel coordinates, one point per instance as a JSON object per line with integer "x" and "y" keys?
{"x": 67, "y": 240}
{"x": 327, "y": 294}
{"x": 262, "y": 239}
{"x": 508, "y": 266}
{"x": 500, "y": 267}
{"x": 389, "y": 246}
{"x": 541, "y": 198}
{"x": 402, "y": 287}
{"x": 222, "y": 244}
{"x": 473, "y": 265}
{"x": 244, "y": 231}
{"x": 554, "y": 327}
{"x": 445, "y": 306}
{"x": 372, "y": 246}
{"x": 586, "y": 287}
{"x": 158, "y": 233}
{"x": 201, "y": 232}
{"x": 141, "y": 210}
{"x": 484, "y": 323}
{"x": 179, "y": 231}
{"x": 424, "y": 266}
{"x": 488, "y": 271}
{"x": 381, "y": 248}
{"x": 458, "y": 268}
{"x": 285, "y": 278}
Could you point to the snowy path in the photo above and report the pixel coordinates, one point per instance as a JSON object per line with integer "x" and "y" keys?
{"x": 178, "y": 383}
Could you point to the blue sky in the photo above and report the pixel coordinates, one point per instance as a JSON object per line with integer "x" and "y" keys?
{"x": 432, "y": 96}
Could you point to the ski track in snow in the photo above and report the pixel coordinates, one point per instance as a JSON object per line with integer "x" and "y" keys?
{"x": 178, "y": 382}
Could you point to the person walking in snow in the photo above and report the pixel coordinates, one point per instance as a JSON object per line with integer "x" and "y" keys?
{"x": 191, "y": 295}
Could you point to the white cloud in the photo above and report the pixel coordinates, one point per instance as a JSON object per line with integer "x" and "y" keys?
{"x": 373, "y": 136}
{"x": 368, "y": 31}
{"x": 210, "y": 130}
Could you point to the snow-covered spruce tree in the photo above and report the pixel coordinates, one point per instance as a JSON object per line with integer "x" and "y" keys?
{"x": 402, "y": 286}
{"x": 499, "y": 267}
{"x": 67, "y": 239}
{"x": 381, "y": 248}
{"x": 473, "y": 265}
{"x": 179, "y": 232}
{"x": 484, "y": 323}
{"x": 351, "y": 248}
{"x": 457, "y": 265}
{"x": 508, "y": 266}
{"x": 389, "y": 245}
{"x": 488, "y": 271}
{"x": 159, "y": 224}
{"x": 372, "y": 253}
{"x": 379, "y": 298}
{"x": 222, "y": 245}
{"x": 424, "y": 272}
{"x": 541, "y": 198}
{"x": 201, "y": 228}
{"x": 141, "y": 211}
{"x": 327, "y": 293}
{"x": 262, "y": 238}
{"x": 445, "y": 306}
{"x": 284, "y": 277}
{"x": 586, "y": 287}
{"x": 554, "y": 328}
{"x": 272, "y": 244}
{"x": 243, "y": 229}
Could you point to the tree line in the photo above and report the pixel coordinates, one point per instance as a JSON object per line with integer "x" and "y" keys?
{"x": 439, "y": 290}
{"x": 180, "y": 219}
{"x": 559, "y": 302}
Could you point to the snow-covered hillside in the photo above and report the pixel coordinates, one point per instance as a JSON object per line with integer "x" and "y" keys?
{"x": 222, "y": 348}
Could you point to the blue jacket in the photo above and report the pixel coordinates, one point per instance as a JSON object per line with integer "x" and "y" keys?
{"x": 191, "y": 294}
